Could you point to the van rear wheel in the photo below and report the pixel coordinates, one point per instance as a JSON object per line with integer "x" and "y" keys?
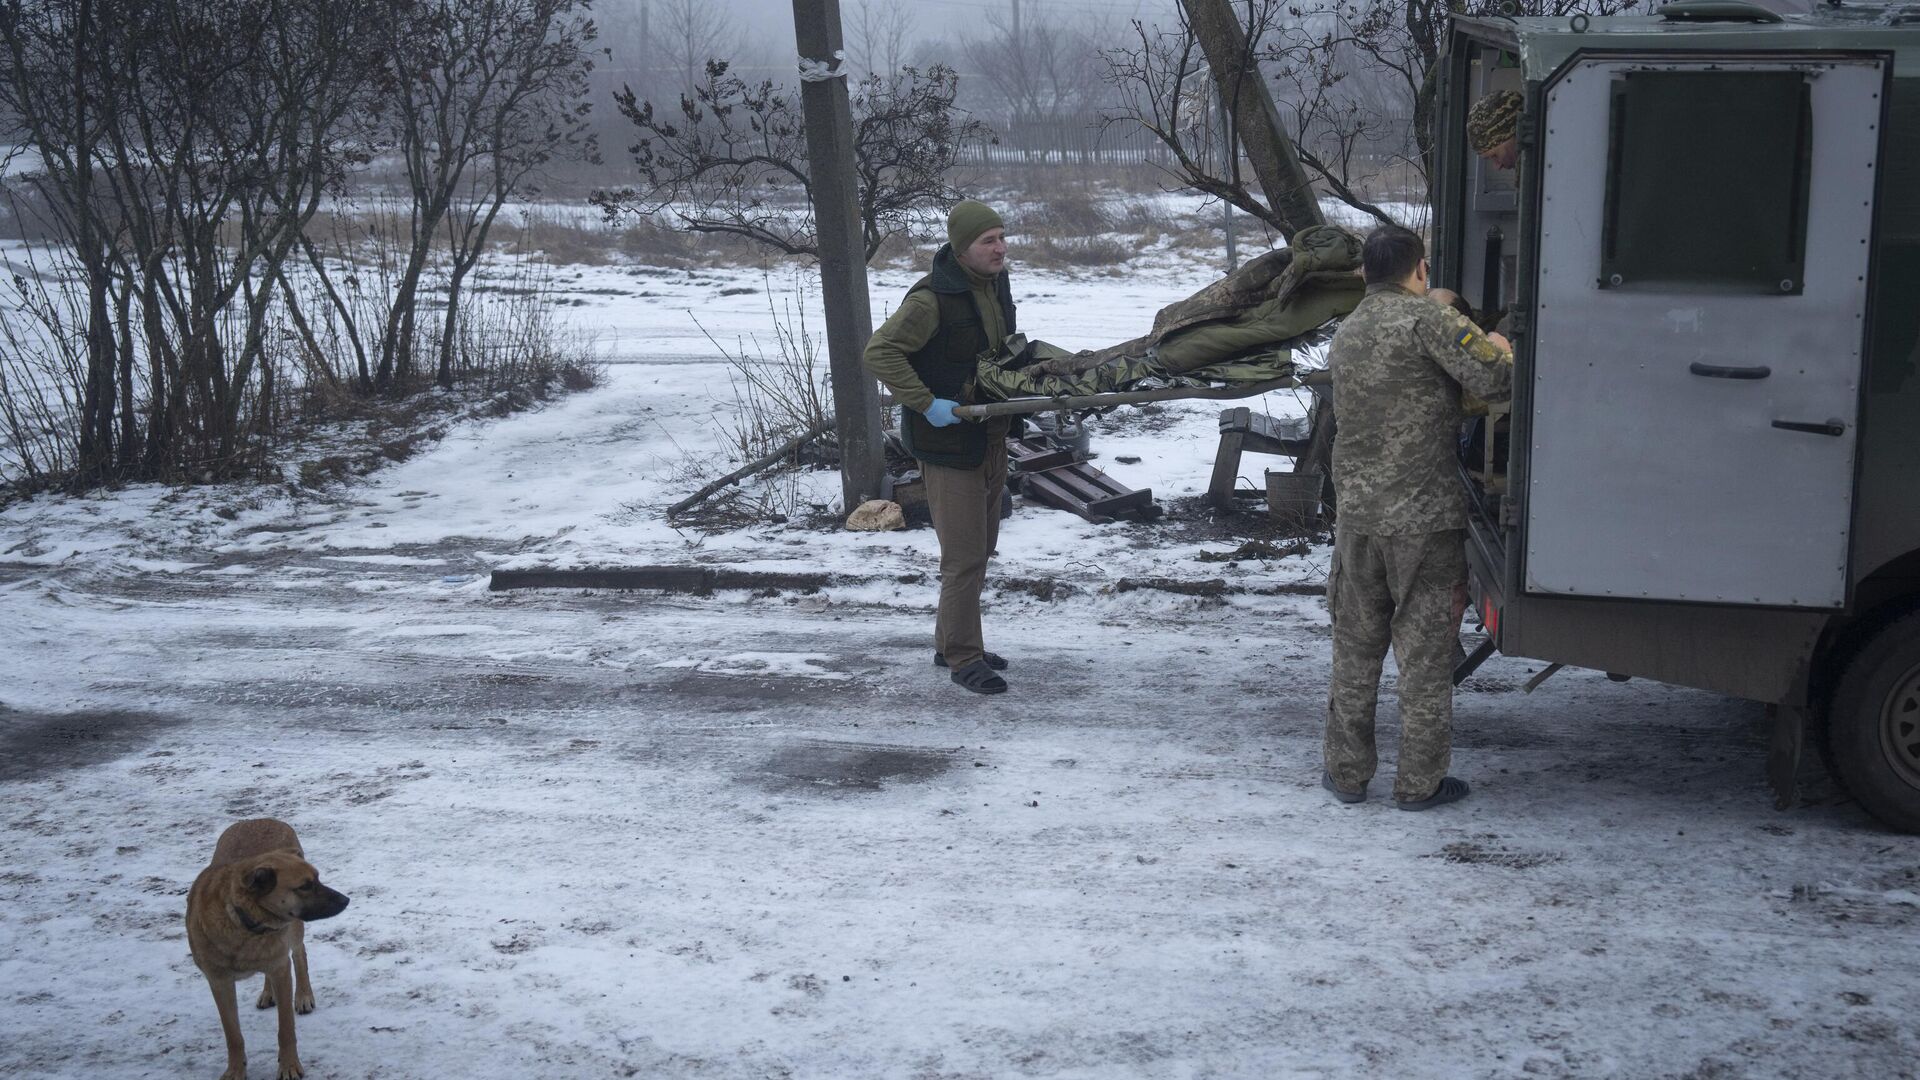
{"x": 1872, "y": 733}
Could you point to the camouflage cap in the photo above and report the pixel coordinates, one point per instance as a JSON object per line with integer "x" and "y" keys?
{"x": 1493, "y": 120}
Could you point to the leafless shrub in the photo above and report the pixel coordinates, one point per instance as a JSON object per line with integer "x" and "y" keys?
{"x": 1139, "y": 214}
{"x": 1074, "y": 210}
{"x": 564, "y": 243}
{"x": 185, "y": 149}
{"x": 1081, "y": 251}
{"x": 41, "y": 367}
{"x": 511, "y": 337}
{"x": 781, "y": 394}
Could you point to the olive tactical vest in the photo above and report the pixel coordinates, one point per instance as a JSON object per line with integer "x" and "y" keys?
{"x": 946, "y": 365}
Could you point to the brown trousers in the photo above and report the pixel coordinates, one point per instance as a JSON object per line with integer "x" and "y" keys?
{"x": 965, "y": 504}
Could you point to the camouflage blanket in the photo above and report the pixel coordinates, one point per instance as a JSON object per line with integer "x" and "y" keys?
{"x": 1281, "y": 301}
{"x": 1019, "y": 371}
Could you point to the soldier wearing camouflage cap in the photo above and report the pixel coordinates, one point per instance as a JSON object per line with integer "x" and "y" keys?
{"x": 1493, "y": 128}
{"x": 1399, "y": 364}
{"x": 925, "y": 353}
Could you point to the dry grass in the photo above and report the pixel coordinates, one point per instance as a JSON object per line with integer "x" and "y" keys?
{"x": 1051, "y": 252}
{"x": 564, "y": 243}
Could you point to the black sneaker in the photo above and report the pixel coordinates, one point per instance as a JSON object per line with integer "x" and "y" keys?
{"x": 980, "y": 678}
{"x": 1451, "y": 789}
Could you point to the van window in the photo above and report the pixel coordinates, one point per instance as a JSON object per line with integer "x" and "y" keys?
{"x": 1707, "y": 181}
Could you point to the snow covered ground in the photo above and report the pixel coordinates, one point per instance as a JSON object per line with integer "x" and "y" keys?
{"x": 619, "y": 834}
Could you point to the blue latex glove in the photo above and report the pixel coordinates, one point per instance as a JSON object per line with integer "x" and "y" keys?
{"x": 940, "y": 413}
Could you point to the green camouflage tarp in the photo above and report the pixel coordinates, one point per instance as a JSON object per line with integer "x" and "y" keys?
{"x": 998, "y": 379}
{"x": 1282, "y": 300}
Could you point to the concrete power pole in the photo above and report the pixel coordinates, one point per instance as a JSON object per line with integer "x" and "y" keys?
{"x": 1255, "y": 119}
{"x": 1229, "y": 154}
{"x": 843, "y": 250}
{"x": 643, "y": 63}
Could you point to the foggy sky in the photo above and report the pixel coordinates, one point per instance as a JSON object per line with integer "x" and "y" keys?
{"x": 770, "y": 22}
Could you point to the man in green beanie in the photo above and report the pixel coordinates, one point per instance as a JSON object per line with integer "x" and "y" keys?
{"x": 925, "y": 353}
{"x": 1493, "y": 128}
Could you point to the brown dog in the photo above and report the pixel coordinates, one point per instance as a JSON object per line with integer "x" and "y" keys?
{"x": 246, "y": 913}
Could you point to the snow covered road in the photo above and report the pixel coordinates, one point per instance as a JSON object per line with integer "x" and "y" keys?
{"x": 749, "y": 836}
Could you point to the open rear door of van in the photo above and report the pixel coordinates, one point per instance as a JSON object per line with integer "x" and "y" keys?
{"x": 1702, "y": 282}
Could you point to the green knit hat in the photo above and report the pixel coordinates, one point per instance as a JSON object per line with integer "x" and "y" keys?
{"x": 967, "y": 220}
{"x": 1493, "y": 120}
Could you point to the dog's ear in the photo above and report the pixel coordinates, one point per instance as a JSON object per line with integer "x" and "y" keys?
{"x": 260, "y": 880}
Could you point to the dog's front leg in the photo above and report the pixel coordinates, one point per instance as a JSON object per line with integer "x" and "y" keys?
{"x": 302, "y": 986}
{"x": 281, "y": 979}
{"x": 228, "y": 1003}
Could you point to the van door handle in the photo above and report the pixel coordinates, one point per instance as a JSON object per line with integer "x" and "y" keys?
{"x": 1831, "y": 427}
{"x": 1722, "y": 371}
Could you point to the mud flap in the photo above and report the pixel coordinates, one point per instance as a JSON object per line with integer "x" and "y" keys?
{"x": 1783, "y": 752}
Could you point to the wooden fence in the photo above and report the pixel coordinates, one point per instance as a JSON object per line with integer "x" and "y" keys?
{"x": 1089, "y": 139}
{"x": 1083, "y": 139}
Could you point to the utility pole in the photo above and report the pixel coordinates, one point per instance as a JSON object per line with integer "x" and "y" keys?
{"x": 1255, "y": 119}
{"x": 1016, "y": 23}
{"x": 644, "y": 61}
{"x": 843, "y": 251}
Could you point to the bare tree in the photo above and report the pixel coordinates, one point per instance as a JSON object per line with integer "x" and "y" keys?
{"x": 1163, "y": 86}
{"x": 487, "y": 92}
{"x": 686, "y": 34}
{"x": 1356, "y": 89}
{"x": 879, "y": 36}
{"x": 1042, "y": 68}
{"x": 1361, "y": 71}
{"x": 734, "y": 159}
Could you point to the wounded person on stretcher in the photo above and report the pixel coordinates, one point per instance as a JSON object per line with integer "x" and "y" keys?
{"x": 1241, "y": 329}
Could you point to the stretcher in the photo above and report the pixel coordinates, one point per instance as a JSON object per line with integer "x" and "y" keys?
{"x": 1024, "y": 406}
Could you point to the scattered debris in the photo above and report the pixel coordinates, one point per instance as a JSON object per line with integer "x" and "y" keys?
{"x": 1046, "y": 589}
{"x": 754, "y": 466}
{"x": 1257, "y": 549}
{"x": 1470, "y": 853}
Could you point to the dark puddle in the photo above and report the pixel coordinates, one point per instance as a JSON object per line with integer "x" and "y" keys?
{"x": 35, "y": 744}
{"x": 862, "y": 768}
{"x": 734, "y": 691}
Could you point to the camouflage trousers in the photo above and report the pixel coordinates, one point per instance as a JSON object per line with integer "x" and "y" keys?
{"x": 1394, "y": 590}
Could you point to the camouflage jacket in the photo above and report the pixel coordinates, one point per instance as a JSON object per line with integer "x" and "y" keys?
{"x": 1399, "y": 363}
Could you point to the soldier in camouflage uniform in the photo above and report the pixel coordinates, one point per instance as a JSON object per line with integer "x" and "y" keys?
{"x": 1399, "y": 364}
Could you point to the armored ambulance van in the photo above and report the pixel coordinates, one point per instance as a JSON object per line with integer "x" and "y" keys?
{"x": 1709, "y": 253}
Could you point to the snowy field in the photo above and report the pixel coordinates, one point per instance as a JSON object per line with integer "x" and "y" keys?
{"x": 593, "y": 834}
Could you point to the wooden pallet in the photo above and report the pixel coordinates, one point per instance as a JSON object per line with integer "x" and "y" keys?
{"x": 1049, "y": 474}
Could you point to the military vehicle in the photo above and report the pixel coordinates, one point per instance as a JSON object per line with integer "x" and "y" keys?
{"x": 1709, "y": 253}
